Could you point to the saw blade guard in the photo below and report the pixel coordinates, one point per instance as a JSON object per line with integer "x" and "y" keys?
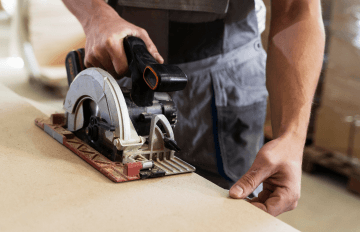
{"x": 101, "y": 88}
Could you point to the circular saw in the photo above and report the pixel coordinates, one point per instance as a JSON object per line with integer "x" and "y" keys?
{"x": 126, "y": 134}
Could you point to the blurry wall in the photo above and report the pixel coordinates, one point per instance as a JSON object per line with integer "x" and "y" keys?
{"x": 338, "y": 121}
{"x": 54, "y": 31}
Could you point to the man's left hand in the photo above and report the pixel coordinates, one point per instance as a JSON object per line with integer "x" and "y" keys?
{"x": 278, "y": 166}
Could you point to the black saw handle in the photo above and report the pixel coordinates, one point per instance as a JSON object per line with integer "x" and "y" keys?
{"x": 148, "y": 76}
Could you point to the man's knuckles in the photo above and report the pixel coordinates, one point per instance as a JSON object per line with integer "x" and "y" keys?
{"x": 293, "y": 205}
{"x": 290, "y": 199}
{"x": 294, "y": 201}
{"x": 121, "y": 68}
{"x": 143, "y": 32}
{"x": 110, "y": 43}
{"x": 89, "y": 60}
{"x": 99, "y": 52}
{"x": 260, "y": 206}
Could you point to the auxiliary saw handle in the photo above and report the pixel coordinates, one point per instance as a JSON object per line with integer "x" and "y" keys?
{"x": 74, "y": 63}
{"x": 148, "y": 75}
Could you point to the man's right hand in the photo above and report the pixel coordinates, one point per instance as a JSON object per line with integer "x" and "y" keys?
{"x": 105, "y": 31}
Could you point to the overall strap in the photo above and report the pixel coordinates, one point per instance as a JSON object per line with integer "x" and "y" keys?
{"x": 212, "y": 6}
{"x": 154, "y": 21}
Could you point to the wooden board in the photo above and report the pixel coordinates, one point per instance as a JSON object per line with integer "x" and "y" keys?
{"x": 45, "y": 187}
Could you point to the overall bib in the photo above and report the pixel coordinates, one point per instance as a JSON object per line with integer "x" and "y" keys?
{"x": 222, "y": 110}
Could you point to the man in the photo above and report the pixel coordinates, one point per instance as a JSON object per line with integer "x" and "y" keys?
{"x": 217, "y": 45}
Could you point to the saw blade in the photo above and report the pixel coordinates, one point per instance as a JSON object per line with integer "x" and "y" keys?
{"x": 95, "y": 93}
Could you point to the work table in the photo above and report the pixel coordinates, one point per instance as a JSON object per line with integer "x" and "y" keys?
{"x": 46, "y": 187}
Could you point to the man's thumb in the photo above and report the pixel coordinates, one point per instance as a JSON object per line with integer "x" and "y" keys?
{"x": 247, "y": 184}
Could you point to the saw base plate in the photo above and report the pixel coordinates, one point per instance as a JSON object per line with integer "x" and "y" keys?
{"x": 115, "y": 171}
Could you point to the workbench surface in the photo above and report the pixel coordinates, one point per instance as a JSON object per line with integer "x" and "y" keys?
{"x": 46, "y": 187}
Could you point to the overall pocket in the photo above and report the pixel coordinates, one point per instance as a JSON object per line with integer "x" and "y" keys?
{"x": 240, "y": 98}
{"x": 240, "y": 134}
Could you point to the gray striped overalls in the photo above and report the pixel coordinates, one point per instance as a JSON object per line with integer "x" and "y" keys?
{"x": 222, "y": 110}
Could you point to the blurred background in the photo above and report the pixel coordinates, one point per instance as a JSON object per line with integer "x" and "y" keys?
{"x": 36, "y": 35}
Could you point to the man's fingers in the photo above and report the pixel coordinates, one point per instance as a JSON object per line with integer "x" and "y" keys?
{"x": 275, "y": 205}
{"x": 104, "y": 58}
{"x": 91, "y": 61}
{"x": 282, "y": 200}
{"x": 117, "y": 54}
{"x": 111, "y": 54}
{"x": 272, "y": 205}
{"x": 158, "y": 58}
{"x": 264, "y": 195}
{"x": 259, "y": 205}
{"x": 278, "y": 202}
{"x": 248, "y": 183}
{"x": 151, "y": 46}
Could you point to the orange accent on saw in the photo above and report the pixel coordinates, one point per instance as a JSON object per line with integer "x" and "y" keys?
{"x": 157, "y": 78}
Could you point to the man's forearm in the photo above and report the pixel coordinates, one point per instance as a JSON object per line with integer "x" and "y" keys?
{"x": 105, "y": 31}
{"x": 296, "y": 46}
{"x": 84, "y": 10}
